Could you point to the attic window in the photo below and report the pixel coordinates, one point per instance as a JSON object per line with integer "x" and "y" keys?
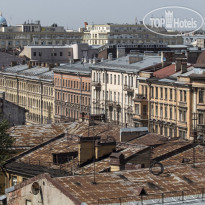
{"x": 61, "y": 158}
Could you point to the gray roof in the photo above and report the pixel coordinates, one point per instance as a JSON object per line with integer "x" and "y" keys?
{"x": 74, "y": 68}
{"x": 122, "y": 64}
{"x": 136, "y": 129}
{"x": 36, "y": 73}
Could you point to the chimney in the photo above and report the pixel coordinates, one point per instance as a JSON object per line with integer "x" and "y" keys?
{"x": 90, "y": 61}
{"x": 13, "y": 63}
{"x": 50, "y": 66}
{"x": 117, "y": 162}
{"x": 184, "y": 67}
{"x": 110, "y": 56}
{"x": 135, "y": 59}
{"x": 120, "y": 52}
{"x": 94, "y": 61}
{"x": 102, "y": 60}
{"x": 178, "y": 63}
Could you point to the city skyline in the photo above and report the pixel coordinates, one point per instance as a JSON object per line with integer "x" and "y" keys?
{"x": 72, "y": 14}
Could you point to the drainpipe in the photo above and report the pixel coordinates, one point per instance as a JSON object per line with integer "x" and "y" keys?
{"x": 122, "y": 110}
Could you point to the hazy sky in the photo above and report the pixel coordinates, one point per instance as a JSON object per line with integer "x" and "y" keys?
{"x": 73, "y": 13}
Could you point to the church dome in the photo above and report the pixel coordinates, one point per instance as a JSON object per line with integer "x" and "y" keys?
{"x": 200, "y": 63}
{"x": 3, "y": 21}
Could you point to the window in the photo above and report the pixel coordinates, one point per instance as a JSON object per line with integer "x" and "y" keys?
{"x": 144, "y": 110}
{"x": 115, "y": 79}
{"x": 61, "y": 53}
{"x": 131, "y": 84}
{"x": 170, "y": 113}
{"x": 14, "y": 180}
{"x": 184, "y": 96}
{"x": 201, "y": 118}
{"x": 103, "y": 77}
{"x": 175, "y": 95}
{"x": 118, "y": 79}
{"x": 201, "y": 96}
{"x": 34, "y": 53}
{"x": 40, "y": 54}
{"x": 165, "y": 131}
{"x": 170, "y": 132}
{"x": 125, "y": 80}
{"x": 152, "y": 109}
{"x": 170, "y": 94}
{"x": 137, "y": 109}
{"x": 107, "y": 78}
{"x": 165, "y": 93}
{"x": 161, "y": 111}
{"x": 161, "y": 93}
{"x": 152, "y": 92}
{"x": 110, "y": 78}
{"x": 165, "y": 111}
{"x": 181, "y": 95}
{"x": 156, "y": 110}
{"x": 137, "y": 83}
{"x": 156, "y": 95}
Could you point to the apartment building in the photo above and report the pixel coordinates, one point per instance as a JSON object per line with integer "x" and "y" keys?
{"x": 115, "y": 85}
{"x": 173, "y": 103}
{"x": 72, "y": 91}
{"x": 102, "y": 34}
{"x": 59, "y": 54}
{"x": 33, "y": 33}
{"x": 32, "y": 89}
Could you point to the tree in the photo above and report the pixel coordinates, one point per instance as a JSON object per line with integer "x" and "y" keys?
{"x": 6, "y": 142}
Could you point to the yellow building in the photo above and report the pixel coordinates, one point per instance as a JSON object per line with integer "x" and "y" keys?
{"x": 171, "y": 100}
{"x": 31, "y": 88}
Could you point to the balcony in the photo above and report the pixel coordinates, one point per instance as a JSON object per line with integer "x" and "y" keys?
{"x": 113, "y": 104}
{"x": 97, "y": 85}
{"x": 139, "y": 98}
{"x": 129, "y": 90}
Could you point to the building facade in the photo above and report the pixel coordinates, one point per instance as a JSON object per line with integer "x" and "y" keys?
{"x": 72, "y": 92}
{"x": 32, "y": 89}
{"x": 102, "y": 34}
{"x": 115, "y": 85}
{"x": 174, "y": 105}
{"x": 33, "y": 33}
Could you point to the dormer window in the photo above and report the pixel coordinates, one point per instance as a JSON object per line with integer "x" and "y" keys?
{"x": 61, "y": 158}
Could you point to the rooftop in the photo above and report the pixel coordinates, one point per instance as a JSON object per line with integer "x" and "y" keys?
{"x": 122, "y": 64}
{"x": 33, "y": 135}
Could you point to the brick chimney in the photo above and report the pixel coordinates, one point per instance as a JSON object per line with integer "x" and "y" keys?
{"x": 184, "y": 67}
{"x": 117, "y": 162}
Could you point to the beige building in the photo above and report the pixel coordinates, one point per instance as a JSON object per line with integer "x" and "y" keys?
{"x": 101, "y": 34}
{"x": 173, "y": 103}
{"x": 32, "y": 89}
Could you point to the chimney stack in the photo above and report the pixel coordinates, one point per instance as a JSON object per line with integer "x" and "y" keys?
{"x": 110, "y": 56}
{"x": 178, "y": 63}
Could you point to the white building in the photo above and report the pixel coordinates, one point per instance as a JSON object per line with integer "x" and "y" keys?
{"x": 115, "y": 85}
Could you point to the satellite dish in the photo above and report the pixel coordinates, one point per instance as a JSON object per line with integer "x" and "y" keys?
{"x": 35, "y": 188}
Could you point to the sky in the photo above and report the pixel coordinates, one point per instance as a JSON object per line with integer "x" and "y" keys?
{"x": 73, "y": 13}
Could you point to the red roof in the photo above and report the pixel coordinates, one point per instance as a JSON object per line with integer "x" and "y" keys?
{"x": 165, "y": 72}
